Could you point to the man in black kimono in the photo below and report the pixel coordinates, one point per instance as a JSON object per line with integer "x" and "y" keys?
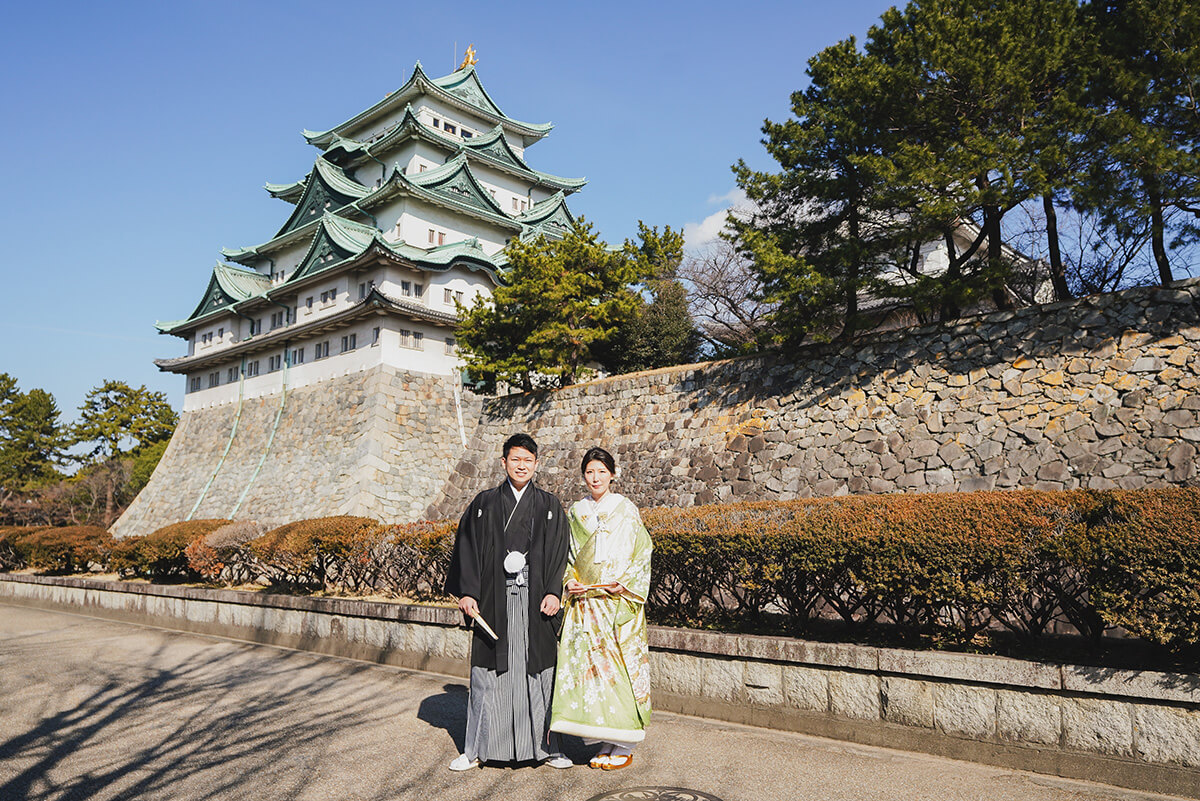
{"x": 509, "y": 556}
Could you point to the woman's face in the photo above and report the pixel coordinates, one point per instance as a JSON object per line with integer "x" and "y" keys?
{"x": 597, "y": 477}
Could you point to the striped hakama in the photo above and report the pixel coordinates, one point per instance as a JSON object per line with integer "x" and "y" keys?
{"x": 508, "y": 713}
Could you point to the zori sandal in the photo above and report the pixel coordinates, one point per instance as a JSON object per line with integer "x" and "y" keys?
{"x": 618, "y": 762}
{"x": 600, "y": 761}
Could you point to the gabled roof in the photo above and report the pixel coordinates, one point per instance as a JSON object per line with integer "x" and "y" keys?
{"x": 326, "y": 187}
{"x": 227, "y": 286}
{"x": 336, "y": 240}
{"x": 491, "y": 149}
{"x": 461, "y": 89}
{"x": 452, "y": 186}
{"x": 455, "y": 181}
{"x": 551, "y": 217}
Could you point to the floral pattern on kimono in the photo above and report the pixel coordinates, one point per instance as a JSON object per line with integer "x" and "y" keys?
{"x": 602, "y": 684}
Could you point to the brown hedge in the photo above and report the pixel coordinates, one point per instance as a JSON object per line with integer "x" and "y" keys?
{"x": 71, "y": 549}
{"x": 324, "y": 553}
{"x": 161, "y": 554}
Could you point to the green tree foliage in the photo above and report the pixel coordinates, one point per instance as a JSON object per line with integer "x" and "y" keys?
{"x": 560, "y": 305}
{"x": 32, "y": 440}
{"x": 660, "y": 331}
{"x": 1146, "y": 92}
{"x": 115, "y": 419}
{"x": 952, "y": 115}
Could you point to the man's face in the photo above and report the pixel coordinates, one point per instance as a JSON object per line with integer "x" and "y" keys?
{"x": 519, "y": 464}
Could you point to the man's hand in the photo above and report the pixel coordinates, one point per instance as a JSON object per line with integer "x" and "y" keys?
{"x": 550, "y": 605}
{"x": 468, "y": 605}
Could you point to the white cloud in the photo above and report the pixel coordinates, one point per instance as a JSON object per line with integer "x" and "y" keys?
{"x": 698, "y": 234}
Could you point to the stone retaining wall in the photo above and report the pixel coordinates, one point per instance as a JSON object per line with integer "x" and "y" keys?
{"x": 376, "y": 443}
{"x": 1130, "y": 728}
{"x": 1100, "y": 392}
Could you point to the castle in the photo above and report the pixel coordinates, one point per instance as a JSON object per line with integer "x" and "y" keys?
{"x": 403, "y": 217}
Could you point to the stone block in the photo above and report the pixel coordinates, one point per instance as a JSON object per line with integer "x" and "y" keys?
{"x": 907, "y": 701}
{"x": 1026, "y": 717}
{"x": 965, "y": 711}
{"x": 1167, "y": 735}
{"x": 854, "y": 695}
{"x": 1098, "y": 725}
{"x": 764, "y": 683}
{"x": 724, "y": 680}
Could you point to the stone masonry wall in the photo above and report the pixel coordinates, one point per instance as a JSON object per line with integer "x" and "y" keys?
{"x": 1101, "y": 392}
{"x": 376, "y": 443}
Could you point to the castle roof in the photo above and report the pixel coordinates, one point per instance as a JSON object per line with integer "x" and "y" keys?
{"x": 492, "y": 149}
{"x": 326, "y": 187}
{"x": 452, "y": 186}
{"x": 376, "y": 302}
{"x": 460, "y": 89}
{"x": 337, "y": 243}
{"x": 227, "y": 286}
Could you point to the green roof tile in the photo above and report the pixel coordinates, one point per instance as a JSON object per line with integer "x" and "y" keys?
{"x": 461, "y": 88}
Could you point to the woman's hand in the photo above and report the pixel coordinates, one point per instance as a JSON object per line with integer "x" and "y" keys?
{"x": 615, "y": 589}
{"x": 575, "y": 588}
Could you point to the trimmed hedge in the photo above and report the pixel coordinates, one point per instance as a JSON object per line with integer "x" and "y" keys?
{"x": 72, "y": 549}
{"x": 946, "y": 567}
{"x": 161, "y": 554}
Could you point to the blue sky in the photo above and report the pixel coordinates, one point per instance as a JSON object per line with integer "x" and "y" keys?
{"x": 141, "y": 134}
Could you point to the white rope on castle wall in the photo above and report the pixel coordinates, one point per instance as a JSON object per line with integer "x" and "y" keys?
{"x": 237, "y": 417}
{"x": 270, "y": 439}
{"x": 462, "y": 431}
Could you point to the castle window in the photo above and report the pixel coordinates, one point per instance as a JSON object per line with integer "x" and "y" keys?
{"x": 467, "y": 134}
{"x": 441, "y": 237}
{"x": 365, "y": 288}
{"x": 194, "y": 384}
{"x": 437, "y": 123}
{"x": 214, "y": 379}
{"x": 349, "y": 342}
{"x": 418, "y": 340}
{"x": 308, "y": 302}
{"x": 448, "y": 297}
{"x": 298, "y": 356}
{"x": 274, "y": 363}
{"x": 432, "y": 235}
{"x": 514, "y": 204}
{"x": 375, "y": 336}
{"x": 322, "y": 350}
{"x": 252, "y": 368}
{"x": 418, "y": 290}
{"x": 278, "y": 319}
{"x": 231, "y": 375}
{"x": 450, "y": 346}
{"x": 450, "y": 129}
{"x": 220, "y": 333}
{"x": 420, "y": 168}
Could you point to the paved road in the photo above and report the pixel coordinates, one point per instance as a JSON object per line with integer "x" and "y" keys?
{"x": 91, "y": 709}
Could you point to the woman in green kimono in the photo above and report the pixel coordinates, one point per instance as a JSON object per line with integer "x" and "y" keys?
{"x": 602, "y": 684}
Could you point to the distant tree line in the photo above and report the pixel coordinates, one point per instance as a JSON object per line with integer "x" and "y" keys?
{"x": 118, "y": 439}
{"x": 1070, "y": 125}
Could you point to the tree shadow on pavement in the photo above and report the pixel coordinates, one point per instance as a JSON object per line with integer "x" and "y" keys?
{"x": 145, "y": 724}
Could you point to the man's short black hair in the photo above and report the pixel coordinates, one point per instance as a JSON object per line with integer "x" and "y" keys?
{"x": 520, "y": 441}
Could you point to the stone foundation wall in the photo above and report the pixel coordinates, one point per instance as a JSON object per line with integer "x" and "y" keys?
{"x": 376, "y": 443}
{"x": 1135, "y": 729}
{"x": 1101, "y": 392}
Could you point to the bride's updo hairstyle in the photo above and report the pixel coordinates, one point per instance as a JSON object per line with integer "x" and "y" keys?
{"x": 598, "y": 455}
